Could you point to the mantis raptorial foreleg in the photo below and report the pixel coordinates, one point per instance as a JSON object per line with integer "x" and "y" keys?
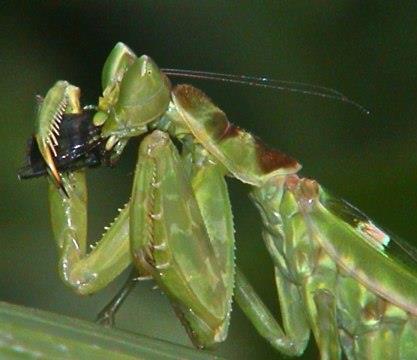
{"x": 212, "y": 196}
{"x": 86, "y": 273}
{"x": 206, "y": 178}
{"x": 162, "y": 202}
{"x": 170, "y": 241}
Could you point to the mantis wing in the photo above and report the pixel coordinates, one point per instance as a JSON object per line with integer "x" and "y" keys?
{"x": 358, "y": 246}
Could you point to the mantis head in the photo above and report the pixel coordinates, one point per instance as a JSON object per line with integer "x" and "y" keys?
{"x": 68, "y": 137}
{"x": 135, "y": 93}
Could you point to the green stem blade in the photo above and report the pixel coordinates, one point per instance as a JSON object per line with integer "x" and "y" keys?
{"x": 27, "y": 333}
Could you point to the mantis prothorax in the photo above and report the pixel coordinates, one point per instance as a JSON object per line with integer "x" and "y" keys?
{"x": 337, "y": 274}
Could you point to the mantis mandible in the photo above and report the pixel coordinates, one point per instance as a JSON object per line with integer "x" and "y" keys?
{"x": 338, "y": 275}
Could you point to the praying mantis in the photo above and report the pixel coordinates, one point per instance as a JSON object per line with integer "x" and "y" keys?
{"x": 338, "y": 275}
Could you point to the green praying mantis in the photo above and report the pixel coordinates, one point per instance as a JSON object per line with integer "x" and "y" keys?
{"x": 338, "y": 275}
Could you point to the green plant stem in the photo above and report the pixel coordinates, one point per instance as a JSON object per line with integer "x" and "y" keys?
{"x": 27, "y": 333}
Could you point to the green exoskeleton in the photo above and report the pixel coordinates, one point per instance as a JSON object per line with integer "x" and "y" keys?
{"x": 337, "y": 274}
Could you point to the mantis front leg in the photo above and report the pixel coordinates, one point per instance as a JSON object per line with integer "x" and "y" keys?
{"x": 86, "y": 273}
{"x": 201, "y": 181}
{"x": 169, "y": 240}
{"x": 182, "y": 263}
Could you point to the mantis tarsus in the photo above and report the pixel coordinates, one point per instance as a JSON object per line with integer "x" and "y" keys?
{"x": 338, "y": 275}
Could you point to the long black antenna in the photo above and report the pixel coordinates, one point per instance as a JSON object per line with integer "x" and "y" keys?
{"x": 282, "y": 85}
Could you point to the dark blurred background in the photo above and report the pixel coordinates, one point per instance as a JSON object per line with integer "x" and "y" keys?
{"x": 366, "y": 49}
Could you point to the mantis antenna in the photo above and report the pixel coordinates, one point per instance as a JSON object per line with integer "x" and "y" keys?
{"x": 265, "y": 82}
